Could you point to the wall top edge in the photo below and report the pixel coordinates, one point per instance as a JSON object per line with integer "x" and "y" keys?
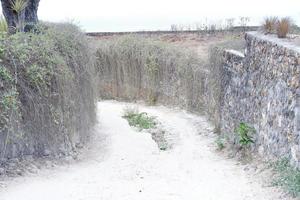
{"x": 291, "y": 43}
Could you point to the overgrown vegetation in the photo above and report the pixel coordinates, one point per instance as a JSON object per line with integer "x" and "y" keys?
{"x": 141, "y": 120}
{"x": 133, "y": 67}
{"x": 287, "y": 177}
{"x": 46, "y": 90}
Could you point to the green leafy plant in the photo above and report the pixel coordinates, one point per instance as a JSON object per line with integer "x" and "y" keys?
{"x": 139, "y": 120}
{"x": 287, "y": 177}
{"x": 36, "y": 74}
{"x": 244, "y": 131}
{"x": 5, "y": 75}
{"x": 163, "y": 148}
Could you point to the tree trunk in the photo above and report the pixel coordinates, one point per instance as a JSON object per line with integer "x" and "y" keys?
{"x": 10, "y": 16}
{"x": 31, "y": 17}
{"x": 22, "y": 21}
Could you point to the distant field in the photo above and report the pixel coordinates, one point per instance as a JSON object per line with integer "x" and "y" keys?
{"x": 201, "y": 42}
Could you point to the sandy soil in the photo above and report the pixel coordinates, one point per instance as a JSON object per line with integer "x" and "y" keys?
{"x": 124, "y": 164}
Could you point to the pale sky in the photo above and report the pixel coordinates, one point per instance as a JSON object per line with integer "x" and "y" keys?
{"x": 135, "y": 15}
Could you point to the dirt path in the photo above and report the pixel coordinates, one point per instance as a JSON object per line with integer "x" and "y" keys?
{"x": 127, "y": 165}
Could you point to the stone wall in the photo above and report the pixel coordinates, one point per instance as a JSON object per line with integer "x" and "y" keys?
{"x": 262, "y": 90}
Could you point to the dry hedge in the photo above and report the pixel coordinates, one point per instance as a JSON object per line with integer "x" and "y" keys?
{"x": 138, "y": 68}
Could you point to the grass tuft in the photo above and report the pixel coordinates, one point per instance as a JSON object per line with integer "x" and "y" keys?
{"x": 140, "y": 120}
{"x": 269, "y": 24}
{"x": 283, "y": 27}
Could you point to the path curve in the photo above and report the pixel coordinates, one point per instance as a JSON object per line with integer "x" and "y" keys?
{"x": 124, "y": 164}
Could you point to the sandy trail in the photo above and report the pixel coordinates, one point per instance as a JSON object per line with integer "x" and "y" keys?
{"x": 127, "y": 165}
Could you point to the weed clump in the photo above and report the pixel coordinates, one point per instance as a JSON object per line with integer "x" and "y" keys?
{"x": 140, "y": 120}
{"x": 287, "y": 177}
{"x": 244, "y": 132}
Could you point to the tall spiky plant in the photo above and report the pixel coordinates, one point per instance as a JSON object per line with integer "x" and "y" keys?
{"x": 19, "y": 6}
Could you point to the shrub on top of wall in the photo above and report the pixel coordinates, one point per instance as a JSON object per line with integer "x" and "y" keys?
{"x": 47, "y": 97}
{"x": 269, "y": 24}
{"x": 283, "y": 27}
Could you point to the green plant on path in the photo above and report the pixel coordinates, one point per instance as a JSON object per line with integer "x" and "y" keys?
{"x": 139, "y": 120}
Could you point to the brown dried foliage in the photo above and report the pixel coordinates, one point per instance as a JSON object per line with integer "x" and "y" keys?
{"x": 283, "y": 27}
{"x": 269, "y": 24}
